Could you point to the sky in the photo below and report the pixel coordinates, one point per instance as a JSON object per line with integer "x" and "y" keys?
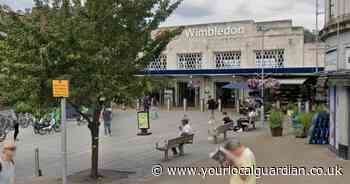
{"x": 302, "y": 12}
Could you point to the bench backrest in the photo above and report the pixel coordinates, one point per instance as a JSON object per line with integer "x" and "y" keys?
{"x": 224, "y": 128}
{"x": 188, "y": 139}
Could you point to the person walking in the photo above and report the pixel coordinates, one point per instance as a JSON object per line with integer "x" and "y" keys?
{"x": 7, "y": 164}
{"x": 16, "y": 130}
{"x": 212, "y": 105}
{"x": 241, "y": 157}
{"x": 107, "y": 119}
{"x": 146, "y": 103}
{"x": 15, "y": 125}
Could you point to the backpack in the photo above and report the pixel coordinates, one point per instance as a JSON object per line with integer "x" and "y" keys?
{"x": 12, "y": 161}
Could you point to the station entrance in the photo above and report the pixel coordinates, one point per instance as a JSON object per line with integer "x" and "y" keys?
{"x": 190, "y": 92}
{"x": 228, "y": 96}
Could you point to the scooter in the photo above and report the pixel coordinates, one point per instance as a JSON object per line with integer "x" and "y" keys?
{"x": 44, "y": 127}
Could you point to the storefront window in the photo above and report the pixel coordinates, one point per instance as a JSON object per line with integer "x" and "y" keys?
{"x": 189, "y": 61}
{"x": 227, "y": 60}
{"x": 270, "y": 58}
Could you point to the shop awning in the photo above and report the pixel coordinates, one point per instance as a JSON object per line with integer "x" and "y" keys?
{"x": 292, "y": 81}
{"x": 239, "y": 85}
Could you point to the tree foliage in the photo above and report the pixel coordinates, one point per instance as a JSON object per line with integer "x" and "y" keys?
{"x": 98, "y": 45}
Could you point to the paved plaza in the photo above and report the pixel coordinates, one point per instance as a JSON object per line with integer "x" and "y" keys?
{"x": 126, "y": 152}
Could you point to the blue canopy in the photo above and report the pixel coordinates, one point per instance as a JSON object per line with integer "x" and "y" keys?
{"x": 239, "y": 85}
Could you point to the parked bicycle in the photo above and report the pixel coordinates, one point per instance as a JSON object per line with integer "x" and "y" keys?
{"x": 6, "y": 125}
{"x": 25, "y": 119}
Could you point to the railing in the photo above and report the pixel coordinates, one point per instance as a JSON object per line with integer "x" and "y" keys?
{"x": 227, "y": 60}
{"x": 189, "y": 61}
{"x": 160, "y": 63}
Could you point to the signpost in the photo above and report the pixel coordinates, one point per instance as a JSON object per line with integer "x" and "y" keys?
{"x": 60, "y": 89}
{"x": 143, "y": 123}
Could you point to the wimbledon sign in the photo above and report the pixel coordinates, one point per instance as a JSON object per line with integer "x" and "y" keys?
{"x": 213, "y": 31}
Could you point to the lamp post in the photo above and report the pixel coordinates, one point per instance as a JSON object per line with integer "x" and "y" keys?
{"x": 263, "y": 29}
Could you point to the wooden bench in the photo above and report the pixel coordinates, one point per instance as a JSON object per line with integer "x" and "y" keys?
{"x": 222, "y": 129}
{"x": 244, "y": 122}
{"x": 175, "y": 143}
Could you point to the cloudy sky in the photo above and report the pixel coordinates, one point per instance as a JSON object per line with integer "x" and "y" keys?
{"x": 302, "y": 12}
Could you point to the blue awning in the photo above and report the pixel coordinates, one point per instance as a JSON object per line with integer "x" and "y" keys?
{"x": 237, "y": 72}
{"x": 239, "y": 85}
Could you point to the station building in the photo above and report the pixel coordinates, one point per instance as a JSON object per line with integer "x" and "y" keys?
{"x": 336, "y": 34}
{"x": 205, "y": 57}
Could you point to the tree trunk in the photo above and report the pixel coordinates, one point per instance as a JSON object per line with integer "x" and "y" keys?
{"x": 94, "y": 129}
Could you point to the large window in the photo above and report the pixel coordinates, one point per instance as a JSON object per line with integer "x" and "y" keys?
{"x": 189, "y": 61}
{"x": 227, "y": 60}
{"x": 331, "y": 57}
{"x": 160, "y": 63}
{"x": 270, "y": 58}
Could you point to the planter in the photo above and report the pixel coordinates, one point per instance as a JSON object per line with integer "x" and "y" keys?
{"x": 277, "y": 132}
{"x": 299, "y": 132}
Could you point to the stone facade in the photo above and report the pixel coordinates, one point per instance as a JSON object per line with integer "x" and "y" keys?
{"x": 205, "y": 56}
{"x": 336, "y": 35}
{"x": 244, "y": 38}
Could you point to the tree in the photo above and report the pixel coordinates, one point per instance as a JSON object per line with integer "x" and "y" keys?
{"x": 98, "y": 46}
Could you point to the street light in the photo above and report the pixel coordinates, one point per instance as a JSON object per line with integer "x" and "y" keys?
{"x": 262, "y": 29}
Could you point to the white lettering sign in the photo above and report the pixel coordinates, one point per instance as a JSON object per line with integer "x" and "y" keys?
{"x": 213, "y": 31}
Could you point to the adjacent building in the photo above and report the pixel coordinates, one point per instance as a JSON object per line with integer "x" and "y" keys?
{"x": 336, "y": 34}
{"x": 206, "y": 57}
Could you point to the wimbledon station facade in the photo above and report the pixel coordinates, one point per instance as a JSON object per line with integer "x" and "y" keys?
{"x": 206, "y": 57}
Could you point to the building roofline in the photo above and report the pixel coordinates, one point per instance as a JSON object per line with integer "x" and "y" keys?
{"x": 275, "y": 21}
{"x": 227, "y": 22}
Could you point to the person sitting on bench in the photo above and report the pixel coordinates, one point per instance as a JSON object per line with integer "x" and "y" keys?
{"x": 185, "y": 130}
{"x": 226, "y": 118}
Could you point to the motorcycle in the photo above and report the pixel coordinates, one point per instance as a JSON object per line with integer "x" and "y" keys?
{"x": 44, "y": 126}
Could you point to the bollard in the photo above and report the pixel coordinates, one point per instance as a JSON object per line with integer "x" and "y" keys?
{"x": 278, "y": 104}
{"x": 185, "y": 104}
{"x": 307, "y": 106}
{"x": 237, "y": 106}
{"x": 168, "y": 104}
{"x": 37, "y": 171}
{"x": 299, "y": 105}
{"x": 202, "y": 105}
{"x": 219, "y": 105}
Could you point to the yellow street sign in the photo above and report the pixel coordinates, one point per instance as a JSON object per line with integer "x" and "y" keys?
{"x": 60, "y": 88}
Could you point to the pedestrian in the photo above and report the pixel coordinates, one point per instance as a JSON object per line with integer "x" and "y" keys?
{"x": 16, "y": 130}
{"x": 242, "y": 158}
{"x": 15, "y": 118}
{"x": 146, "y": 103}
{"x": 107, "y": 119}
{"x": 212, "y": 105}
{"x": 7, "y": 164}
{"x": 184, "y": 130}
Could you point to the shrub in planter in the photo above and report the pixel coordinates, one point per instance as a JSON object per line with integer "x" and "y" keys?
{"x": 276, "y": 123}
{"x": 298, "y": 126}
{"x": 306, "y": 121}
